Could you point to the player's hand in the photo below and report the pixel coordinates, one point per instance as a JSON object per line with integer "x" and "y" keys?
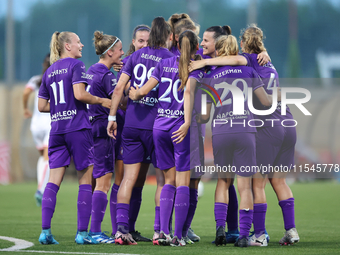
{"x": 106, "y": 103}
{"x": 194, "y": 65}
{"x": 180, "y": 134}
{"x": 118, "y": 67}
{"x": 133, "y": 93}
{"x": 263, "y": 58}
{"x": 27, "y": 114}
{"x": 112, "y": 129}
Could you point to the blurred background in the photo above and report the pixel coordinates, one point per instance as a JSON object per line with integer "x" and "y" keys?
{"x": 302, "y": 39}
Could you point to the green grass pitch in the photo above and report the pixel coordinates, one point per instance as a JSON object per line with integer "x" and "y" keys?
{"x": 317, "y": 207}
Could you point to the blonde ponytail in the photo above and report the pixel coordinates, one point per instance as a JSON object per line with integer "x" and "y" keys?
{"x": 57, "y": 45}
{"x": 226, "y": 45}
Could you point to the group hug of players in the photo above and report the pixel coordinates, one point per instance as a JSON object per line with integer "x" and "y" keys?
{"x": 151, "y": 113}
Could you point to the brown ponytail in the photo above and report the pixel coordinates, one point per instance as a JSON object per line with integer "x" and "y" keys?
{"x": 188, "y": 42}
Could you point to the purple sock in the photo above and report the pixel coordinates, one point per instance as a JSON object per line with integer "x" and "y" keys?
{"x": 246, "y": 218}
{"x": 135, "y": 202}
{"x": 166, "y": 203}
{"x": 288, "y": 212}
{"x": 191, "y": 212}
{"x": 123, "y": 218}
{"x": 84, "y": 206}
{"x": 259, "y": 219}
{"x": 48, "y": 204}
{"x": 157, "y": 225}
{"x": 182, "y": 201}
{"x": 99, "y": 203}
{"x": 232, "y": 215}
{"x": 113, "y": 207}
{"x": 220, "y": 210}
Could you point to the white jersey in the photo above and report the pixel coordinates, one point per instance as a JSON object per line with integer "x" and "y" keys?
{"x": 40, "y": 121}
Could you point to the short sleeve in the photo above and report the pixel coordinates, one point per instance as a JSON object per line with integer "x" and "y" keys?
{"x": 33, "y": 83}
{"x": 79, "y": 73}
{"x": 109, "y": 83}
{"x": 256, "y": 80}
{"x": 128, "y": 67}
{"x": 43, "y": 91}
{"x": 197, "y": 75}
{"x": 158, "y": 71}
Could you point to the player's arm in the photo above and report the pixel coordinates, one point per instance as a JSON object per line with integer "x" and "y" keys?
{"x": 25, "y": 97}
{"x": 237, "y": 60}
{"x": 82, "y": 95}
{"x": 43, "y": 105}
{"x": 138, "y": 93}
{"x": 116, "y": 98}
{"x": 189, "y": 99}
{"x": 204, "y": 118}
{"x": 263, "y": 58}
{"x": 265, "y": 99}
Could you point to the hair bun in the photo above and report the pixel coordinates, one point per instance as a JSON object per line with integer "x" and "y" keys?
{"x": 98, "y": 35}
{"x": 227, "y": 29}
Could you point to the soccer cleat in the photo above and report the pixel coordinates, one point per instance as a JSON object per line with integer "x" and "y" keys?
{"x": 46, "y": 237}
{"x": 177, "y": 242}
{"x": 155, "y": 238}
{"x": 266, "y": 233}
{"x": 243, "y": 242}
{"x": 138, "y": 237}
{"x": 258, "y": 241}
{"x": 187, "y": 240}
{"x": 220, "y": 237}
{"x": 83, "y": 237}
{"x": 192, "y": 236}
{"x": 291, "y": 236}
{"x": 164, "y": 239}
{"x": 38, "y": 197}
{"x": 101, "y": 237}
{"x": 124, "y": 239}
{"x": 231, "y": 236}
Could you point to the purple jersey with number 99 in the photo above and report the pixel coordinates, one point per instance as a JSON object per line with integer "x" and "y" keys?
{"x": 67, "y": 113}
{"x": 142, "y": 113}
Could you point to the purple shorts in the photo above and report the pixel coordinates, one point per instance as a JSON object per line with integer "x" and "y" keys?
{"x": 235, "y": 153}
{"x": 78, "y": 144}
{"x": 196, "y": 151}
{"x": 275, "y": 146}
{"x": 104, "y": 157}
{"x": 138, "y": 146}
{"x": 170, "y": 154}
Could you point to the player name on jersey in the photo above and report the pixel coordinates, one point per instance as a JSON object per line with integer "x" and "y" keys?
{"x": 151, "y": 57}
{"x": 56, "y": 72}
{"x": 219, "y": 75}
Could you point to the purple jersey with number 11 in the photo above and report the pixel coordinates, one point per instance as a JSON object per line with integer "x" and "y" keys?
{"x": 142, "y": 113}
{"x": 67, "y": 113}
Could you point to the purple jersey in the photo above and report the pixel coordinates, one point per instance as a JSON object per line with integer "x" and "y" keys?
{"x": 67, "y": 113}
{"x": 269, "y": 77}
{"x": 243, "y": 77}
{"x": 170, "y": 99}
{"x": 125, "y": 60}
{"x": 142, "y": 113}
{"x": 175, "y": 51}
{"x": 200, "y": 52}
{"x": 101, "y": 83}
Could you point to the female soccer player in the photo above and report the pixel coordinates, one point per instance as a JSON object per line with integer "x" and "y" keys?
{"x": 140, "y": 39}
{"x": 170, "y": 133}
{"x": 233, "y": 138}
{"x": 102, "y": 83}
{"x": 140, "y": 115}
{"x": 180, "y": 23}
{"x": 62, "y": 93}
{"x": 275, "y": 146}
{"x": 40, "y": 128}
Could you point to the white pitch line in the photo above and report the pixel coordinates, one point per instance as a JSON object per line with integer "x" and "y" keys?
{"x": 20, "y": 244}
